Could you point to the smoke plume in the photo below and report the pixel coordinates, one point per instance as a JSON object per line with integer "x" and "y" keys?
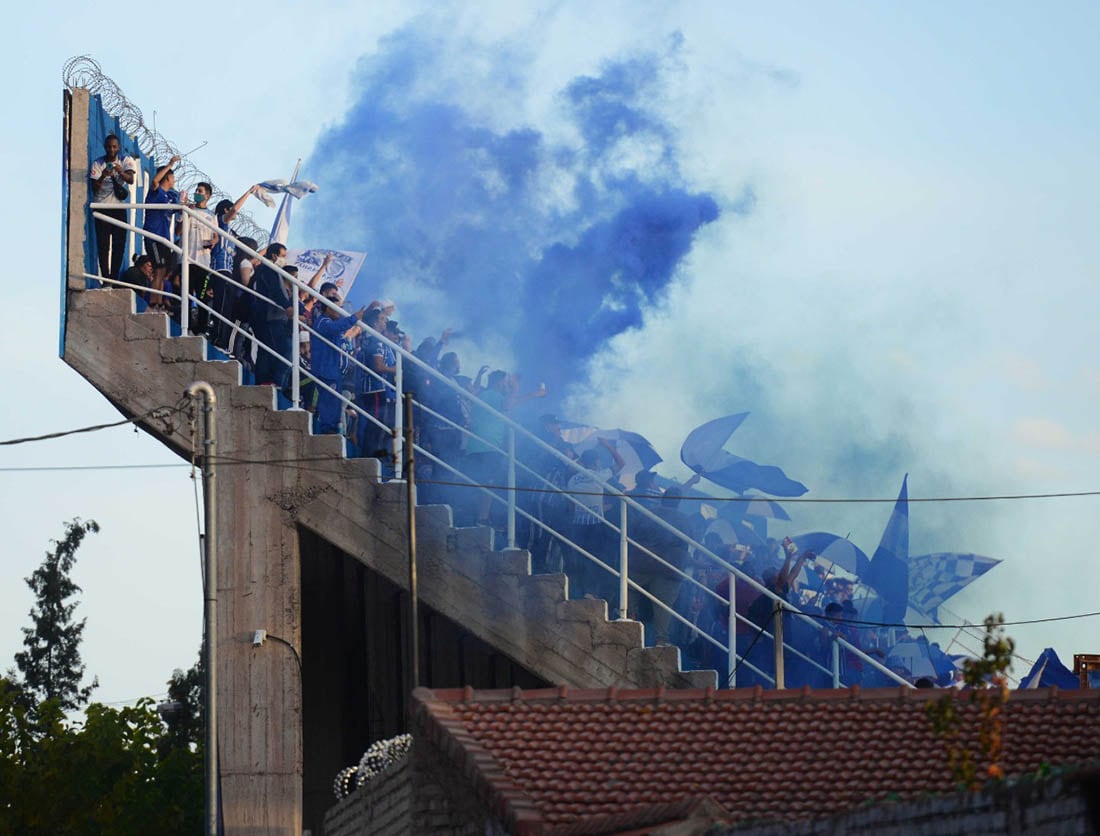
{"x": 540, "y": 243}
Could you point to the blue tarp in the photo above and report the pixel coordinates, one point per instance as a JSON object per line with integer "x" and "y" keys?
{"x": 1048, "y": 670}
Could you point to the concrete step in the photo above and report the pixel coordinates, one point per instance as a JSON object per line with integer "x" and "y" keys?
{"x": 306, "y": 480}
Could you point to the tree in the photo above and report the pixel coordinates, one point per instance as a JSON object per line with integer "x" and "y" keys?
{"x": 986, "y": 680}
{"x": 50, "y": 666}
{"x": 183, "y": 710}
{"x": 103, "y": 774}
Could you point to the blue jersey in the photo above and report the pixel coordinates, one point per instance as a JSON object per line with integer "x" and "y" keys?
{"x": 328, "y": 363}
{"x": 159, "y": 221}
{"x": 221, "y": 257}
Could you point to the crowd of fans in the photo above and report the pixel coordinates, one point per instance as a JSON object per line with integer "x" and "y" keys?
{"x": 348, "y": 363}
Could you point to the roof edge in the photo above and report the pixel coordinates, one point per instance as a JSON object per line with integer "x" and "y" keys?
{"x": 435, "y": 719}
{"x": 661, "y": 695}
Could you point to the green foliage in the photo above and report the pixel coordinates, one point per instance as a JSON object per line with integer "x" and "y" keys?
{"x": 105, "y": 775}
{"x": 185, "y": 720}
{"x": 50, "y": 665}
{"x": 987, "y": 681}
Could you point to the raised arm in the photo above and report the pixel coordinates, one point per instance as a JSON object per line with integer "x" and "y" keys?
{"x": 308, "y": 298}
{"x": 164, "y": 169}
{"x": 617, "y": 462}
{"x": 231, "y": 213}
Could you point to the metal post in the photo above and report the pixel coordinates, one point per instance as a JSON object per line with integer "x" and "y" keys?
{"x": 210, "y": 609}
{"x": 410, "y": 502}
{"x": 836, "y": 662}
{"x": 295, "y": 352}
{"x": 731, "y": 627}
{"x": 185, "y": 297}
{"x": 624, "y": 561}
{"x": 511, "y": 487}
{"x": 398, "y": 398}
{"x": 777, "y": 631}
{"x": 131, "y": 218}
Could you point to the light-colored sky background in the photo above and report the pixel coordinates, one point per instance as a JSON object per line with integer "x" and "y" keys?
{"x": 919, "y": 271}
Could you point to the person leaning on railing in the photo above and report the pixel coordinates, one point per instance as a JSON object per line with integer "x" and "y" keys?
{"x": 274, "y": 322}
{"x": 242, "y": 343}
{"x": 370, "y": 387}
{"x": 162, "y": 190}
{"x": 329, "y": 363}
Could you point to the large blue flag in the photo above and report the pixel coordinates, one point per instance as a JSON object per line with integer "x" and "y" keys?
{"x": 889, "y": 572}
{"x": 1048, "y": 670}
{"x": 703, "y": 452}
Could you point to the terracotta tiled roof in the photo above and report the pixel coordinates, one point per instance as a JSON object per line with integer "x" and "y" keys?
{"x": 553, "y": 757}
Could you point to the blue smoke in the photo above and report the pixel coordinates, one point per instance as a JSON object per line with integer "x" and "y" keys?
{"x": 543, "y": 248}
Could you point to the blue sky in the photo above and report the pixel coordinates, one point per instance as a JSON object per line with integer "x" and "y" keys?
{"x": 913, "y": 290}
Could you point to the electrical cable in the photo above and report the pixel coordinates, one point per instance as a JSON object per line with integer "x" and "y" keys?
{"x": 1023, "y": 622}
{"x": 153, "y": 413}
{"x": 745, "y": 655}
{"x": 293, "y": 650}
{"x": 299, "y": 463}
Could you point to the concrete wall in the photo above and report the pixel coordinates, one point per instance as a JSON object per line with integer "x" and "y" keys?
{"x": 383, "y": 806}
{"x": 1058, "y": 806}
{"x": 424, "y": 794}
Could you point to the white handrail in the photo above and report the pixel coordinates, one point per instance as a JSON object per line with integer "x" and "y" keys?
{"x": 625, "y": 500}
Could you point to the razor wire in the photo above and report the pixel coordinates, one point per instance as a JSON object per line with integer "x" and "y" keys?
{"x": 83, "y": 71}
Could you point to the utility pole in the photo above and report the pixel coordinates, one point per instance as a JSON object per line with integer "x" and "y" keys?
{"x": 210, "y": 609}
{"x": 410, "y": 487}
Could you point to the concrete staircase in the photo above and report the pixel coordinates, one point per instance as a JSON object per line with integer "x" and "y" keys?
{"x": 273, "y": 476}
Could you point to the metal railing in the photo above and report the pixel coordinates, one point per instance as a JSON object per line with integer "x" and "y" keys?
{"x": 627, "y": 504}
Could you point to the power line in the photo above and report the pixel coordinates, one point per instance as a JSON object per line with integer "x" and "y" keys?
{"x": 44, "y": 469}
{"x": 160, "y": 411}
{"x": 135, "y": 699}
{"x": 1048, "y": 620}
{"x": 301, "y": 463}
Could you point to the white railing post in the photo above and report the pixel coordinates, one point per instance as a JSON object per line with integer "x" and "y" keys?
{"x": 511, "y": 487}
{"x": 777, "y": 632}
{"x": 731, "y": 628}
{"x": 185, "y": 288}
{"x": 836, "y": 662}
{"x": 624, "y": 562}
{"x": 398, "y": 418}
{"x": 131, "y": 218}
{"x": 295, "y": 353}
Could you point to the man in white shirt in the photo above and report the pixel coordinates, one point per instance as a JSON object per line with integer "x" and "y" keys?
{"x": 202, "y": 238}
{"x": 200, "y": 244}
{"x": 111, "y": 176}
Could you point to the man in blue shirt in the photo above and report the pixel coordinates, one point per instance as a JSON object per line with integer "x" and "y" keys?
{"x": 327, "y": 362}
{"x": 370, "y": 389}
{"x": 159, "y": 222}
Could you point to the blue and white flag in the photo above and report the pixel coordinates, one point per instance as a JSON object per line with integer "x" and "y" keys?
{"x": 889, "y": 570}
{"x": 933, "y": 578}
{"x": 294, "y": 189}
{"x": 342, "y": 270}
{"x": 297, "y": 188}
{"x": 703, "y": 452}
